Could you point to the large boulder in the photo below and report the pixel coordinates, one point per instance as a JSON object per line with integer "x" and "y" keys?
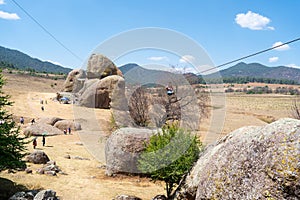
{"x": 99, "y": 66}
{"x": 126, "y": 197}
{"x": 123, "y": 149}
{"x": 28, "y": 195}
{"x": 47, "y": 120}
{"x": 39, "y": 129}
{"x": 46, "y": 195}
{"x": 99, "y": 94}
{"x": 38, "y": 157}
{"x": 74, "y": 81}
{"x": 249, "y": 163}
{"x": 119, "y": 106}
{"x": 65, "y": 124}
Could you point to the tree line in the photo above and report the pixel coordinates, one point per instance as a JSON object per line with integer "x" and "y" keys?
{"x": 266, "y": 90}
{"x": 240, "y": 80}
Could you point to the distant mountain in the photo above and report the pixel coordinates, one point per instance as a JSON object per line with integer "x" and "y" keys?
{"x": 23, "y": 61}
{"x": 135, "y": 74}
{"x": 252, "y": 72}
{"x": 261, "y": 71}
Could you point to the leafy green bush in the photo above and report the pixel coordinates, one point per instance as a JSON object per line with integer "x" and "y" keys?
{"x": 169, "y": 156}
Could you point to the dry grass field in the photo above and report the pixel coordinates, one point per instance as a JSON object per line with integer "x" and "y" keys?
{"x": 85, "y": 179}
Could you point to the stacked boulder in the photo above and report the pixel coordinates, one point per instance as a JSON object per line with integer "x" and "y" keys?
{"x": 95, "y": 87}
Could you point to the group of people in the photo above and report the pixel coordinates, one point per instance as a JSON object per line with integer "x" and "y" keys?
{"x": 67, "y": 131}
{"x": 34, "y": 141}
{"x": 22, "y": 121}
{"x": 42, "y": 102}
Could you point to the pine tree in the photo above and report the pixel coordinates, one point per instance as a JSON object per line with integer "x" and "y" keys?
{"x": 12, "y": 146}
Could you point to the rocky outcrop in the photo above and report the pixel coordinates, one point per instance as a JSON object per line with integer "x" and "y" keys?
{"x": 65, "y": 124}
{"x": 249, "y": 163}
{"x": 99, "y": 94}
{"x": 51, "y": 121}
{"x": 123, "y": 148}
{"x": 39, "y": 129}
{"x": 28, "y": 195}
{"x": 50, "y": 168}
{"x": 74, "y": 81}
{"x": 119, "y": 106}
{"x": 35, "y": 195}
{"x": 126, "y": 197}
{"x": 160, "y": 197}
{"x": 46, "y": 195}
{"x": 99, "y": 66}
{"x": 38, "y": 157}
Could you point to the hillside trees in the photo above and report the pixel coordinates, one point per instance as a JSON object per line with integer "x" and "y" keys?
{"x": 12, "y": 145}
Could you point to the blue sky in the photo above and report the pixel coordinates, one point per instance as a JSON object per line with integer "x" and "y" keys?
{"x": 225, "y": 29}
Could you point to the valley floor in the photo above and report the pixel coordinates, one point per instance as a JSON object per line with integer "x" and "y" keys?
{"x": 86, "y": 179}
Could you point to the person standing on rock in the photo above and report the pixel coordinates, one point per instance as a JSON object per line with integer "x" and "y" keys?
{"x": 44, "y": 140}
{"x": 34, "y": 143}
{"x": 69, "y": 130}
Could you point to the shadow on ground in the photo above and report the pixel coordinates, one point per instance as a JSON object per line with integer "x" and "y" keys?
{"x": 9, "y": 188}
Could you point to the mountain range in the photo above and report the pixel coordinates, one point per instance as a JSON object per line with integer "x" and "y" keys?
{"x": 22, "y": 61}
{"x": 258, "y": 70}
{"x": 239, "y": 70}
{"x": 19, "y": 60}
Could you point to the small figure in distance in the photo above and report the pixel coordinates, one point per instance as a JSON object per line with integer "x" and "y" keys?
{"x": 22, "y": 120}
{"x": 41, "y": 101}
{"x": 34, "y": 143}
{"x": 69, "y": 130}
{"x": 169, "y": 89}
{"x": 44, "y": 140}
{"x": 42, "y": 108}
{"x": 32, "y": 121}
{"x": 65, "y": 131}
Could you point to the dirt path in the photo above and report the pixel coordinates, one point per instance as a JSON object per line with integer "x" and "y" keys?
{"x": 85, "y": 178}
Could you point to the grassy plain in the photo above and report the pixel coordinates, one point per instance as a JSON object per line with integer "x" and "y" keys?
{"x": 86, "y": 179}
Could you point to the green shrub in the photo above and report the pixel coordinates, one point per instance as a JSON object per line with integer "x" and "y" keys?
{"x": 169, "y": 156}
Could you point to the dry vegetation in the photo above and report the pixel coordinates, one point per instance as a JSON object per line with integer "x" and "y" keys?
{"x": 85, "y": 179}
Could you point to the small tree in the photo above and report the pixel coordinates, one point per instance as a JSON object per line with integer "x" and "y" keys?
{"x": 295, "y": 110}
{"x": 169, "y": 156}
{"x": 12, "y": 145}
{"x": 139, "y": 107}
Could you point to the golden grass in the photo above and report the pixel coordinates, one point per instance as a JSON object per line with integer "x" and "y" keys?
{"x": 84, "y": 179}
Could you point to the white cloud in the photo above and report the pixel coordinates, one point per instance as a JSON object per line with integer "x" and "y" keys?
{"x": 253, "y": 21}
{"x": 294, "y": 66}
{"x": 54, "y": 62}
{"x": 158, "y": 58}
{"x": 9, "y": 16}
{"x": 273, "y": 59}
{"x": 2, "y": 2}
{"x": 281, "y": 48}
{"x": 186, "y": 59}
